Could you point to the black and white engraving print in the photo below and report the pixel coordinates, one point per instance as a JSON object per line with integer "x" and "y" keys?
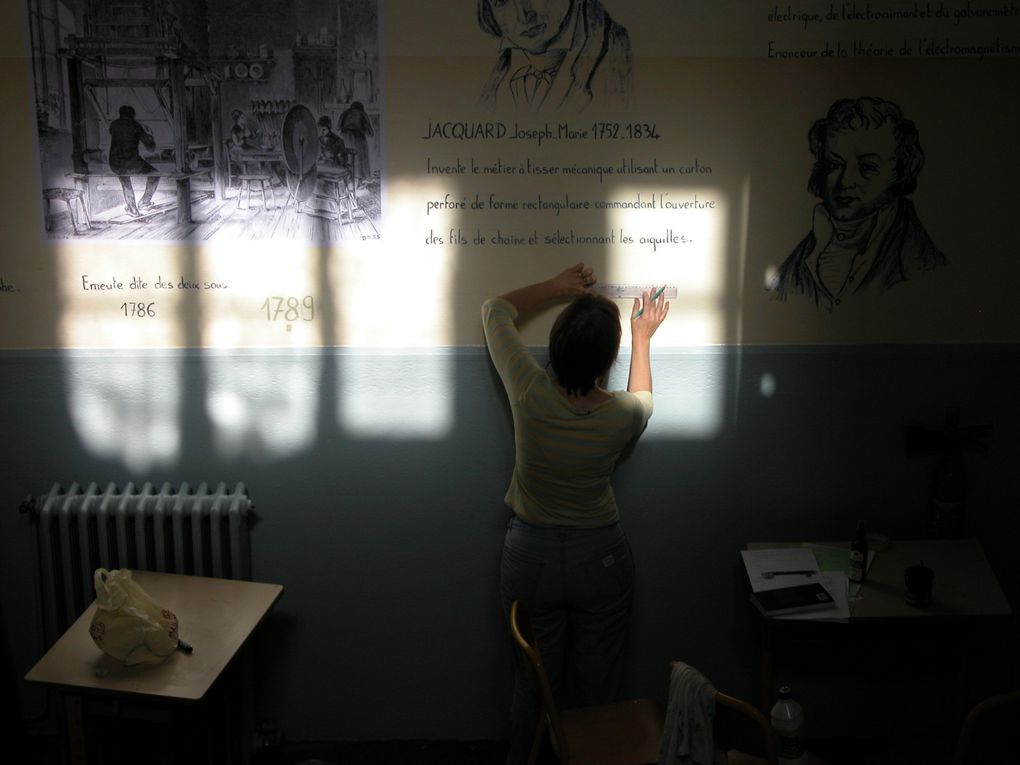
{"x": 194, "y": 120}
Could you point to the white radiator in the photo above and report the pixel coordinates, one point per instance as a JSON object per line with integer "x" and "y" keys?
{"x": 203, "y": 531}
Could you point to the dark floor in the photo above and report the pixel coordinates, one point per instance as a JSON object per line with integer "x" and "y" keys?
{"x": 926, "y": 751}
{"x": 386, "y": 753}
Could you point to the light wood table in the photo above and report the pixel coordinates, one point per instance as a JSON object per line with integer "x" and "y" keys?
{"x": 216, "y": 617}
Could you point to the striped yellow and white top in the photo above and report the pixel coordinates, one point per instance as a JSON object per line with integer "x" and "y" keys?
{"x": 565, "y": 455}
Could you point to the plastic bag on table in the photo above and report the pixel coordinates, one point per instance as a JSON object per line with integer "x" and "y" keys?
{"x": 128, "y": 624}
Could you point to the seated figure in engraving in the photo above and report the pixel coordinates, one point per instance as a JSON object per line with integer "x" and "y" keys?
{"x": 555, "y": 53}
{"x": 126, "y": 133}
{"x": 242, "y": 135}
{"x": 332, "y": 149}
{"x": 865, "y": 235}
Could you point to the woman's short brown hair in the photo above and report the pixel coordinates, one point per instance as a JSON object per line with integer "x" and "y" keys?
{"x": 584, "y": 342}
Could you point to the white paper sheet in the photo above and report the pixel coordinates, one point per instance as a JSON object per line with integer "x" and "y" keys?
{"x": 758, "y": 562}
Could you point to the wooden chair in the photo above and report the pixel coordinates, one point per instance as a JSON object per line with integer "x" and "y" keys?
{"x": 248, "y": 175}
{"x": 338, "y": 187}
{"x": 990, "y": 734}
{"x": 67, "y": 196}
{"x": 258, "y": 179}
{"x": 742, "y": 731}
{"x": 624, "y": 733}
{"x": 746, "y": 735}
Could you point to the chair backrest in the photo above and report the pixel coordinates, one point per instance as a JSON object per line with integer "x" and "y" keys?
{"x": 739, "y": 726}
{"x": 520, "y": 628}
{"x": 989, "y": 733}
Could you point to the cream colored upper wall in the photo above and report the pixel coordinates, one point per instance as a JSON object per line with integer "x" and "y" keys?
{"x": 713, "y": 143}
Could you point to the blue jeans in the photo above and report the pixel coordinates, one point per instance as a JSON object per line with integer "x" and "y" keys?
{"x": 578, "y": 587}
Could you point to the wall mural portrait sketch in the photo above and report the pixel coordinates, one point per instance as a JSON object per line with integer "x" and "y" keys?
{"x": 202, "y": 106}
{"x": 865, "y": 233}
{"x": 556, "y": 54}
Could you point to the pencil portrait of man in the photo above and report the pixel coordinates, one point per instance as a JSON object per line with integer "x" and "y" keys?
{"x": 865, "y": 233}
{"x": 555, "y": 54}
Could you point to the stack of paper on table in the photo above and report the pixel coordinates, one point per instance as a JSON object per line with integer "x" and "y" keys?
{"x": 760, "y": 562}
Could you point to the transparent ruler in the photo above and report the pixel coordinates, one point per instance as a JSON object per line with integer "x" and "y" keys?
{"x": 634, "y": 290}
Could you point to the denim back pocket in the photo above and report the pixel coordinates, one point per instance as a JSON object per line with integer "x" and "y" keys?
{"x": 610, "y": 574}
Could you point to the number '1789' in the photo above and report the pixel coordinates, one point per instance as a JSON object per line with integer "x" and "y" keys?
{"x": 279, "y": 308}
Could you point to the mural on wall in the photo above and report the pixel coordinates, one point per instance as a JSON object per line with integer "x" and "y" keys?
{"x": 865, "y": 234}
{"x": 208, "y": 120}
{"x": 556, "y": 54}
{"x": 209, "y": 128}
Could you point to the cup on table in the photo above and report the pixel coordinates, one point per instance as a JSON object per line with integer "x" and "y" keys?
{"x": 918, "y": 580}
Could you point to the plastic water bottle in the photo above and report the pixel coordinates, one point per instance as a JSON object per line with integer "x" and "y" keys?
{"x": 787, "y": 722}
{"x": 859, "y": 555}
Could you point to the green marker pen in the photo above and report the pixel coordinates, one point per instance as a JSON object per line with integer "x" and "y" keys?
{"x": 655, "y": 296}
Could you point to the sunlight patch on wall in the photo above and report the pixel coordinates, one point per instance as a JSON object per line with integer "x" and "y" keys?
{"x": 127, "y": 408}
{"x": 399, "y": 395}
{"x": 258, "y": 294}
{"x": 101, "y": 309}
{"x": 397, "y": 295}
{"x": 687, "y": 391}
{"x": 682, "y": 240}
{"x": 683, "y": 245}
{"x": 397, "y": 302}
{"x": 261, "y": 409}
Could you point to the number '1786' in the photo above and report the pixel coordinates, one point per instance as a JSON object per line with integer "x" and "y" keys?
{"x": 138, "y": 310}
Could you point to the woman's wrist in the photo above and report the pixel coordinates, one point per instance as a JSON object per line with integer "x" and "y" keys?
{"x": 557, "y": 289}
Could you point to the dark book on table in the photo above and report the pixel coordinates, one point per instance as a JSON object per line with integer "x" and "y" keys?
{"x": 789, "y": 600}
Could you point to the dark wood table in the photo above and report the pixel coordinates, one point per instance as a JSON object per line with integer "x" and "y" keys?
{"x": 966, "y": 596}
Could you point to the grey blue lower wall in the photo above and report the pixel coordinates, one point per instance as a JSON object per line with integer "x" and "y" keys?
{"x": 385, "y": 529}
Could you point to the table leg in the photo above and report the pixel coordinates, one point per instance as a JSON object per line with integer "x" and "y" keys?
{"x": 74, "y": 712}
{"x": 767, "y": 677}
{"x": 247, "y": 669}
